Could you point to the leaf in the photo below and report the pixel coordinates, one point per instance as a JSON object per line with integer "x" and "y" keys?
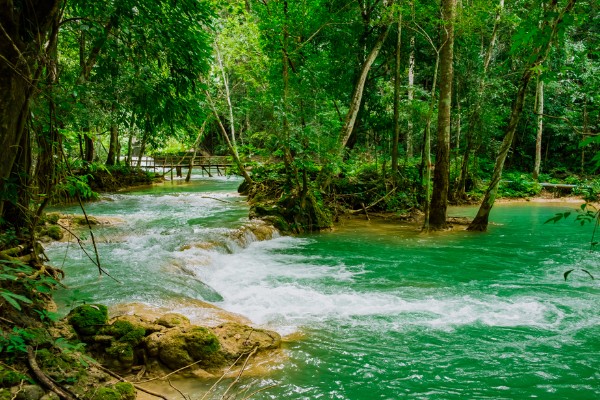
{"x": 12, "y": 298}
{"x": 556, "y": 218}
{"x": 588, "y": 272}
{"x": 566, "y": 274}
{"x": 11, "y": 301}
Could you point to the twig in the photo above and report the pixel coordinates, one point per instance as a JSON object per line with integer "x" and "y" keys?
{"x": 239, "y": 375}
{"x": 258, "y": 391}
{"x": 39, "y": 374}
{"x": 170, "y": 373}
{"x": 365, "y": 210}
{"x": 120, "y": 378}
{"x": 221, "y": 378}
{"x": 180, "y": 392}
{"x": 214, "y": 198}
{"x": 80, "y": 243}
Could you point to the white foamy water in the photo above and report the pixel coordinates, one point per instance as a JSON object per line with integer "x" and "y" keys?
{"x": 286, "y": 292}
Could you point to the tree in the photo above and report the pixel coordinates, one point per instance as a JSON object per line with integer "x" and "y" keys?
{"x": 24, "y": 31}
{"x": 545, "y": 38}
{"x": 441, "y": 178}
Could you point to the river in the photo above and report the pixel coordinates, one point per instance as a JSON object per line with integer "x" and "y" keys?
{"x": 378, "y": 310}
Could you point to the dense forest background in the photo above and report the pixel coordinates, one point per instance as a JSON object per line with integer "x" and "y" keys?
{"x": 336, "y": 105}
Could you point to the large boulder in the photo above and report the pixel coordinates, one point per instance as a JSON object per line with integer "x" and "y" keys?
{"x": 237, "y": 339}
{"x": 183, "y": 346}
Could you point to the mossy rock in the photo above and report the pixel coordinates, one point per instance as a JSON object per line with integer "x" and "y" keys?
{"x": 178, "y": 348}
{"x": 122, "y": 351}
{"x": 237, "y": 339}
{"x": 171, "y": 320}
{"x": 50, "y": 218}
{"x": 107, "y": 393}
{"x": 53, "y": 232}
{"x": 80, "y": 220}
{"x": 30, "y": 392}
{"x": 60, "y": 367}
{"x": 125, "y": 331}
{"x": 126, "y": 390}
{"x": 88, "y": 319}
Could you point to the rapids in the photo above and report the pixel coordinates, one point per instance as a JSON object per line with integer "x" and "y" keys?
{"x": 376, "y": 310}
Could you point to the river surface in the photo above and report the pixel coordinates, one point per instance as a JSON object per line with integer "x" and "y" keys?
{"x": 379, "y": 311}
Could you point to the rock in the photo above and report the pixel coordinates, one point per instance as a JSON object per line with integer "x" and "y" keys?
{"x": 88, "y": 318}
{"x": 237, "y": 339}
{"x": 30, "y": 392}
{"x": 50, "y": 396}
{"x": 179, "y": 347}
{"x": 171, "y": 320}
{"x": 139, "y": 322}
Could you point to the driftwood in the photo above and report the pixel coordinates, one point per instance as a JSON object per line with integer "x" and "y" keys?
{"x": 47, "y": 382}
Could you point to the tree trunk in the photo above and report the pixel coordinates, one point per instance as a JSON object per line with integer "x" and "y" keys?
{"x": 232, "y": 149}
{"x": 411, "y": 96}
{"x": 397, "y": 101}
{"x": 539, "y": 110}
{"x": 358, "y": 91}
{"x": 426, "y": 156}
{"x": 23, "y": 37}
{"x": 481, "y": 220}
{"x": 460, "y": 189}
{"x": 441, "y": 177}
{"x": 114, "y": 141}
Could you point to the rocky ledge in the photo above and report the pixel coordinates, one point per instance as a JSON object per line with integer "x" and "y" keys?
{"x": 136, "y": 345}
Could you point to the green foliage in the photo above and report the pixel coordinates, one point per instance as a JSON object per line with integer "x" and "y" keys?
{"x": 10, "y": 377}
{"x": 8, "y": 239}
{"x": 15, "y": 341}
{"x": 519, "y": 185}
{"x": 73, "y": 186}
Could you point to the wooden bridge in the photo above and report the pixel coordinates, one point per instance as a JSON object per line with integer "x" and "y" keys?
{"x": 218, "y": 165}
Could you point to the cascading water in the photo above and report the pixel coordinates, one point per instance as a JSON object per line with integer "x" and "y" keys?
{"x": 384, "y": 311}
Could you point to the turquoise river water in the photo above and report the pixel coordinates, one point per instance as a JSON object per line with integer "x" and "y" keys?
{"x": 383, "y": 311}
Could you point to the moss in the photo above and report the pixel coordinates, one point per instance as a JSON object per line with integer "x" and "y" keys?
{"x": 171, "y": 320}
{"x": 80, "y": 220}
{"x": 88, "y": 318}
{"x": 121, "y": 351}
{"x": 5, "y": 394}
{"x": 125, "y": 331}
{"x": 126, "y": 390}
{"x": 106, "y": 393}
{"x": 54, "y": 232}
{"x": 52, "y": 218}
{"x": 9, "y": 377}
{"x": 201, "y": 342}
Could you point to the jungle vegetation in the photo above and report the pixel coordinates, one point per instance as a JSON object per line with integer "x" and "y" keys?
{"x": 336, "y": 105}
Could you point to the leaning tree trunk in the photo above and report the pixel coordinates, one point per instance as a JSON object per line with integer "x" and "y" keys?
{"x": 480, "y": 222}
{"x": 358, "y": 91}
{"x": 441, "y": 177}
{"x": 22, "y": 41}
{"x": 460, "y": 189}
